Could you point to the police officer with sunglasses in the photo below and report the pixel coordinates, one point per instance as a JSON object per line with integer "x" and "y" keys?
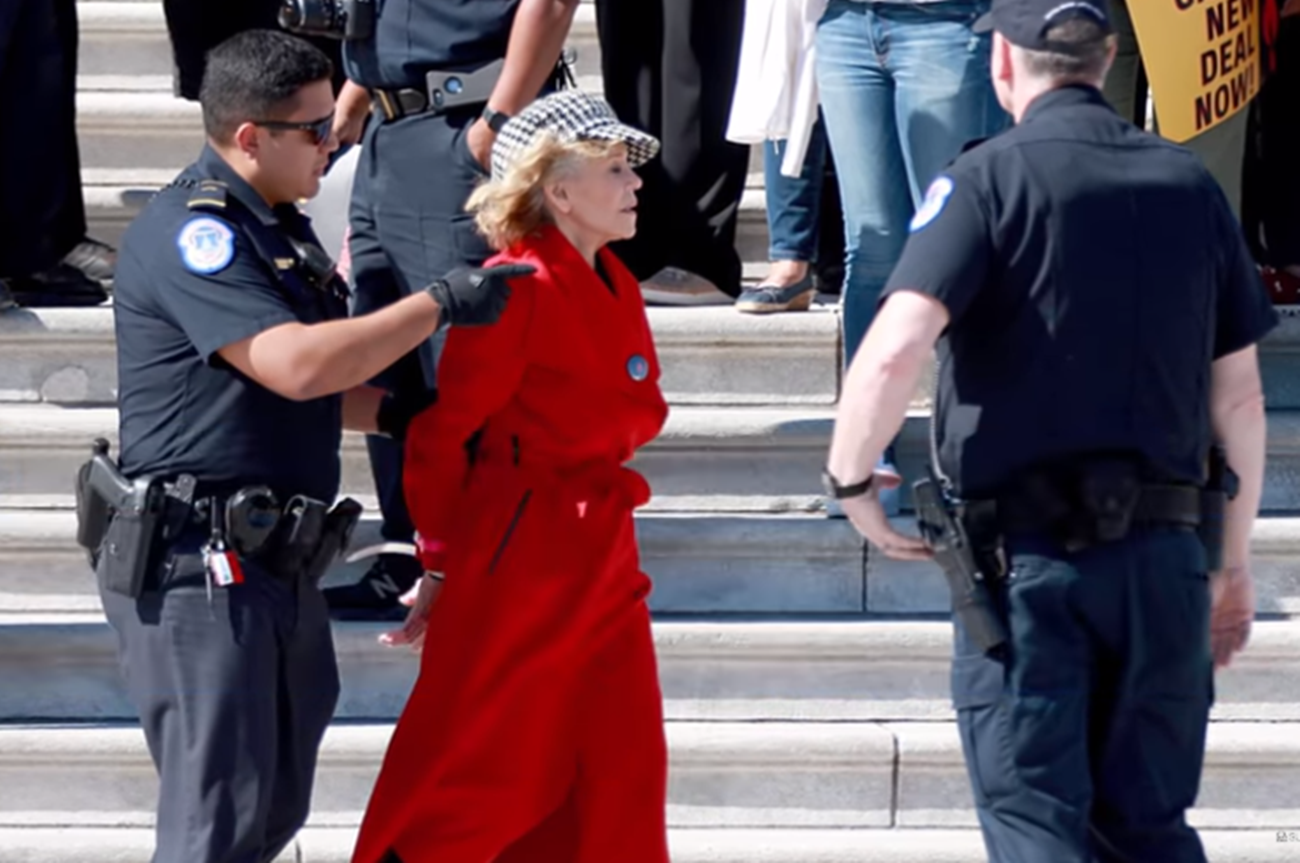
{"x": 238, "y": 369}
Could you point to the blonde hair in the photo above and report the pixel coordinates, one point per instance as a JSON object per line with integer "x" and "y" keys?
{"x": 510, "y": 208}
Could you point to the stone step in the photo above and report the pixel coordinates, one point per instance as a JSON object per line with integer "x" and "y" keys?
{"x": 710, "y": 356}
{"x": 134, "y": 121}
{"x": 115, "y": 195}
{"x": 705, "y": 562}
{"x": 767, "y": 774}
{"x": 897, "y": 845}
{"x": 130, "y": 38}
{"x": 59, "y": 668}
{"x": 733, "y": 459}
{"x": 729, "y": 564}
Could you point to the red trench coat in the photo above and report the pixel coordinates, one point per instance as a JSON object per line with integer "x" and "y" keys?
{"x": 534, "y": 733}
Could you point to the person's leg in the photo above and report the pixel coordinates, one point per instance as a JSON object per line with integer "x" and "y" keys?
{"x": 793, "y": 214}
{"x": 375, "y": 284}
{"x": 701, "y": 56}
{"x": 857, "y": 97}
{"x": 204, "y": 676}
{"x": 42, "y": 216}
{"x": 944, "y": 95}
{"x": 1125, "y": 87}
{"x": 308, "y": 693}
{"x": 1280, "y": 136}
{"x": 631, "y": 55}
{"x": 1150, "y": 719}
{"x": 1223, "y": 150}
{"x": 195, "y": 27}
{"x": 1023, "y": 721}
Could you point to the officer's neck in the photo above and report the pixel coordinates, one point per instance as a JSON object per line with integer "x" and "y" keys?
{"x": 248, "y": 170}
{"x": 1033, "y": 89}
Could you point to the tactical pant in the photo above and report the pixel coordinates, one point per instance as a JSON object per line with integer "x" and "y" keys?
{"x": 1086, "y": 744}
{"x": 42, "y": 215}
{"x": 408, "y": 227}
{"x": 234, "y": 695}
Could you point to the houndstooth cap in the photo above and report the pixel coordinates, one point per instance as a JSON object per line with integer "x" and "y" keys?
{"x": 570, "y": 115}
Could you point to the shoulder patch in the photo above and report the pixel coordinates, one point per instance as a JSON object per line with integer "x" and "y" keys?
{"x": 936, "y": 198}
{"x": 206, "y": 245}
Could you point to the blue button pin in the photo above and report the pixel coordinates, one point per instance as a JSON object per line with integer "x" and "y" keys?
{"x": 638, "y": 368}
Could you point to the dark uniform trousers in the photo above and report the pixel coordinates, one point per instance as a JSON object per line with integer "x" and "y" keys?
{"x": 234, "y": 695}
{"x": 408, "y": 227}
{"x": 669, "y": 67}
{"x": 1087, "y": 743}
{"x": 42, "y": 215}
{"x": 197, "y": 26}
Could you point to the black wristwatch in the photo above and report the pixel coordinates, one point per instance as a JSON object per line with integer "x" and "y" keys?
{"x": 843, "y": 492}
{"x": 495, "y": 120}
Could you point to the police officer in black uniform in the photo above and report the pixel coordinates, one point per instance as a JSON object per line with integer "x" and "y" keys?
{"x": 1096, "y": 314}
{"x": 437, "y": 79}
{"x": 238, "y": 370}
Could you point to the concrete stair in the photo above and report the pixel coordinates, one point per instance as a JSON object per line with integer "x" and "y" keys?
{"x": 62, "y": 668}
{"x": 763, "y": 845}
{"x": 908, "y": 775}
{"x": 805, "y": 677}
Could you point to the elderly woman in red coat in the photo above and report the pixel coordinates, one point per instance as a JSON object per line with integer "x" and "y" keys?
{"x": 534, "y": 733}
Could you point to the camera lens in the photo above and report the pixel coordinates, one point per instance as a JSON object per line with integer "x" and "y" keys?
{"x": 291, "y": 14}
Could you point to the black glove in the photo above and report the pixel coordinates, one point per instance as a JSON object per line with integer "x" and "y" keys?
{"x": 397, "y": 411}
{"x": 475, "y": 297}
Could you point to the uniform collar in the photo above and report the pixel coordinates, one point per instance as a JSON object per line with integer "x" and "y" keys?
{"x": 211, "y": 164}
{"x": 1063, "y": 98}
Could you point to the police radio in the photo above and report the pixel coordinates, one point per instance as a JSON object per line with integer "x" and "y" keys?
{"x": 351, "y": 20}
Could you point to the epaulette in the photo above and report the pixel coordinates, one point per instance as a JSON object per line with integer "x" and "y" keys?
{"x": 971, "y": 145}
{"x": 208, "y": 195}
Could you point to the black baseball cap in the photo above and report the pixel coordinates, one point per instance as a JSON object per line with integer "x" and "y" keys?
{"x": 1026, "y": 22}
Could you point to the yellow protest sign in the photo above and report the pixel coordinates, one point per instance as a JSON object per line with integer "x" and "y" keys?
{"x": 1202, "y": 58}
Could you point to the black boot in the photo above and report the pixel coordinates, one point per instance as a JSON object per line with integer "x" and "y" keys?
{"x": 61, "y": 285}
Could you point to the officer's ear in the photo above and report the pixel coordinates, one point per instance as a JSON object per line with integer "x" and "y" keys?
{"x": 247, "y": 139}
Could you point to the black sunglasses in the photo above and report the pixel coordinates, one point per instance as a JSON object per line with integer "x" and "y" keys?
{"x": 319, "y": 130}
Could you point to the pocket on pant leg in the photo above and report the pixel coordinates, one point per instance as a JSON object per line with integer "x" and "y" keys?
{"x": 984, "y": 724}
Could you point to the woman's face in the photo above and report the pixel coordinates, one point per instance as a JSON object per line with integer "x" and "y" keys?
{"x": 596, "y": 202}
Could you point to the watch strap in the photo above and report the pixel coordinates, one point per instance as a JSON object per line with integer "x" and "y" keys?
{"x": 496, "y": 120}
{"x": 843, "y": 492}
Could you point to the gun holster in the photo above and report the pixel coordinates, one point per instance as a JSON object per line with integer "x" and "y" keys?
{"x": 959, "y": 557}
{"x": 119, "y": 521}
{"x": 1220, "y": 487}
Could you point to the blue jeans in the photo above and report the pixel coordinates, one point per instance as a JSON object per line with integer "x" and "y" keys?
{"x": 903, "y": 88}
{"x": 794, "y": 203}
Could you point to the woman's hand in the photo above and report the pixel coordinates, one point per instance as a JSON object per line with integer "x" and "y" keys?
{"x": 420, "y": 600}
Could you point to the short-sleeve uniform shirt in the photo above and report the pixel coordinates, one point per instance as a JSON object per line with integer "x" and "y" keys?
{"x": 1093, "y": 273}
{"x": 193, "y": 278}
